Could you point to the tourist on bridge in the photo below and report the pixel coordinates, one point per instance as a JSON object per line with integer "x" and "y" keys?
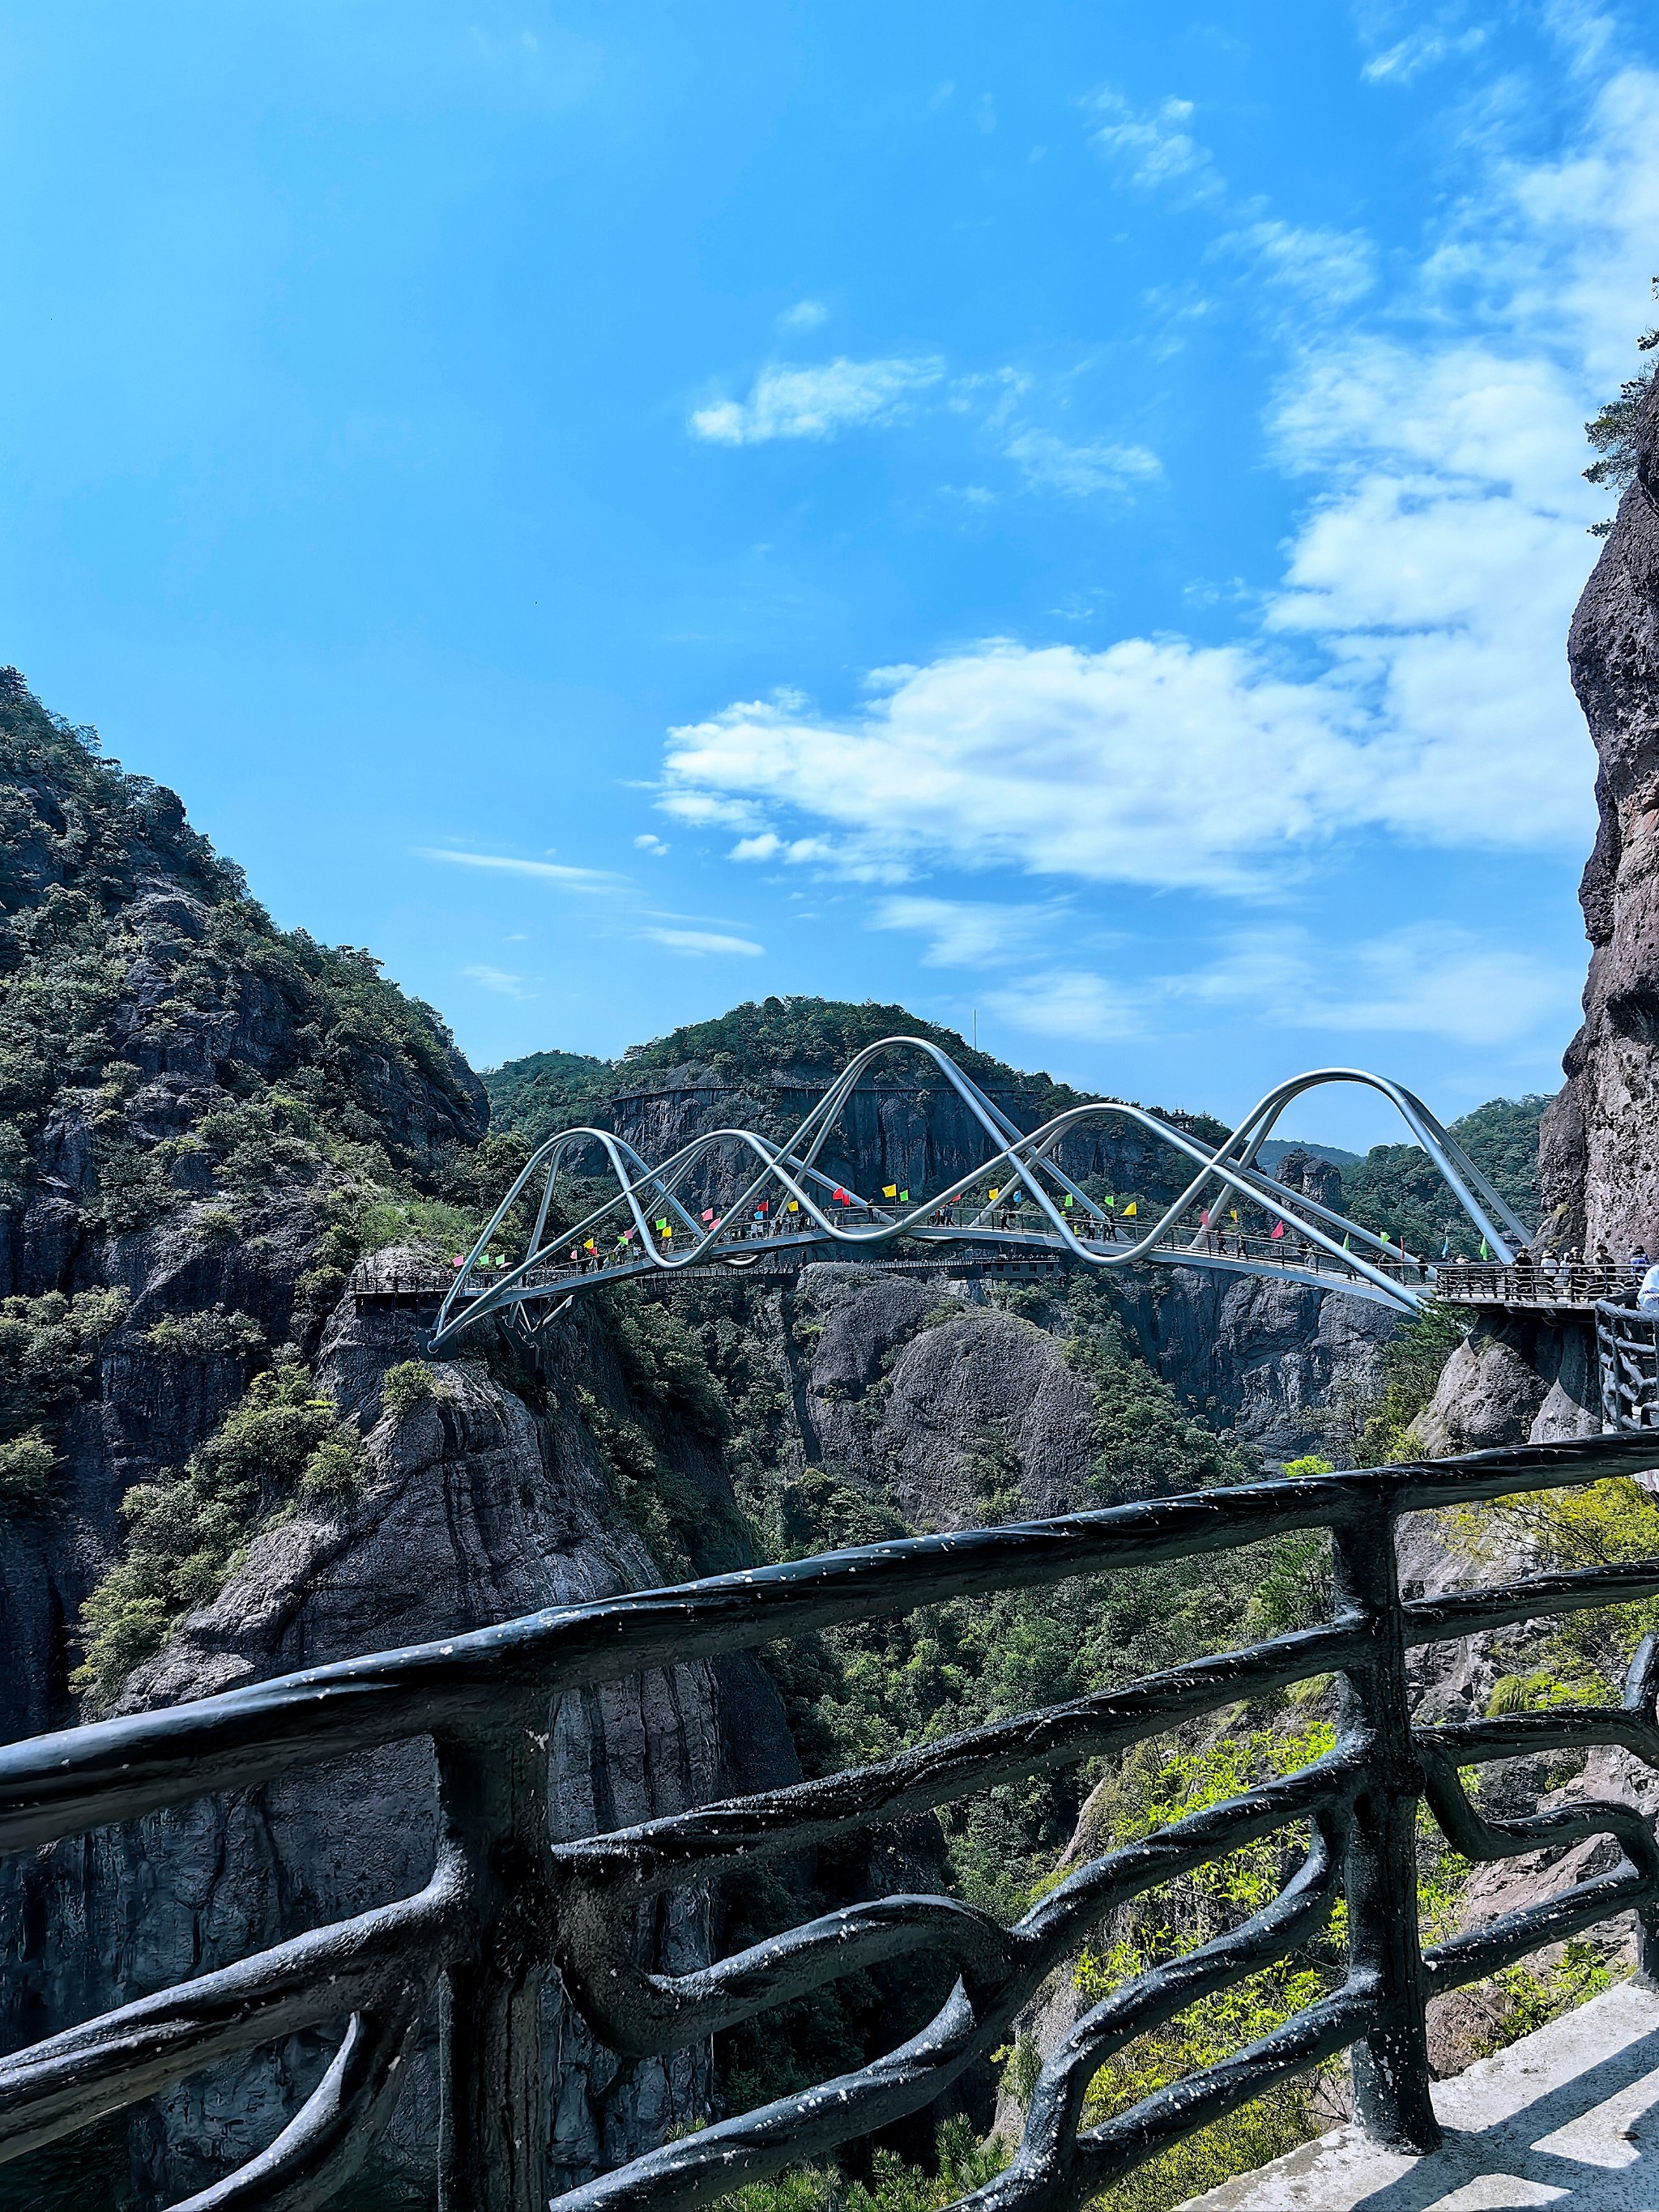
{"x": 1639, "y": 1262}
{"x": 1647, "y": 1298}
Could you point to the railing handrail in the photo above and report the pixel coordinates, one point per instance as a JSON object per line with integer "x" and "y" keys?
{"x": 504, "y": 1898}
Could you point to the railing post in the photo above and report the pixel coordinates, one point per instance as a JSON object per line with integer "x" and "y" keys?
{"x": 1391, "y": 2066}
{"x": 492, "y": 2149}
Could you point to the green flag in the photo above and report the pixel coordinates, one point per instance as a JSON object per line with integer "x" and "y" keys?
{"x": 1110, "y": 1202}
{"x": 1483, "y": 1253}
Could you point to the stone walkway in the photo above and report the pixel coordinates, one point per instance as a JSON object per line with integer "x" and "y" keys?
{"x": 1568, "y": 2117}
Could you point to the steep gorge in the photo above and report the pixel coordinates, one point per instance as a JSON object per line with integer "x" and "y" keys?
{"x": 215, "y": 1129}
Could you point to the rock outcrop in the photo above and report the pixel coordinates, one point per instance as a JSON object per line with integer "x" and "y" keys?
{"x": 1599, "y": 1155}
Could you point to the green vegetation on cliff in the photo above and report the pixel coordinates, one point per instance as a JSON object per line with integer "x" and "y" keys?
{"x": 1397, "y": 1190}
{"x": 807, "y": 1040}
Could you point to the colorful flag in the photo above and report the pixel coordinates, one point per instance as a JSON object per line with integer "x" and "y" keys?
{"x": 794, "y": 1206}
{"x": 1233, "y": 1211}
{"x": 839, "y": 1193}
{"x": 1483, "y": 1253}
{"x": 707, "y": 1213}
{"x": 762, "y": 1206}
{"x": 1111, "y": 1204}
{"x": 1445, "y": 1250}
{"x": 890, "y": 1190}
{"x": 457, "y": 1261}
{"x": 1066, "y": 1201}
{"x": 904, "y": 1197}
{"x": 590, "y": 1246}
{"x": 1203, "y": 1217}
{"x": 994, "y": 1196}
{"x": 1131, "y": 1207}
{"x": 662, "y": 1228}
{"x": 1279, "y": 1231}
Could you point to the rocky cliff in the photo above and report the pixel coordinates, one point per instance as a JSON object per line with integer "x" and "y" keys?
{"x": 1600, "y": 1152}
{"x": 208, "y": 1122}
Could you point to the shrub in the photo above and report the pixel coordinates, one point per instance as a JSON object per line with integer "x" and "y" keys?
{"x": 48, "y": 1359}
{"x": 212, "y": 1335}
{"x": 188, "y": 1533}
{"x": 26, "y": 1466}
{"x": 409, "y": 1383}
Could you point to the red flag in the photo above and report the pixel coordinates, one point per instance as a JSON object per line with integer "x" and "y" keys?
{"x": 839, "y": 1193}
{"x": 1278, "y": 1229}
{"x": 763, "y": 1207}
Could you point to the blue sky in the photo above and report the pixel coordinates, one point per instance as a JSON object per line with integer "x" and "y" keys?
{"x": 1068, "y": 512}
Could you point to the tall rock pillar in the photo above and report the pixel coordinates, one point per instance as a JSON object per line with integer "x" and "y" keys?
{"x": 1600, "y": 1151}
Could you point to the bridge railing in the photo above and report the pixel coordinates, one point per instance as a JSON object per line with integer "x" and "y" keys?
{"x": 1552, "y": 1283}
{"x": 505, "y": 1904}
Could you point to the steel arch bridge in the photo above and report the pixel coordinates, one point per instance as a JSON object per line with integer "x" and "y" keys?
{"x": 783, "y": 1209}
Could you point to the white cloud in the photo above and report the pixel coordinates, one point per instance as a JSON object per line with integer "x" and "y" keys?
{"x": 1329, "y": 268}
{"x": 817, "y": 403}
{"x": 965, "y": 933}
{"x": 1081, "y": 470}
{"x": 699, "y": 941}
{"x": 804, "y": 315}
{"x": 499, "y": 979}
{"x": 1430, "y": 978}
{"x": 655, "y": 846}
{"x": 1152, "y": 149}
{"x": 572, "y": 879}
{"x": 1419, "y": 51}
{"x": 1407, "y": 676}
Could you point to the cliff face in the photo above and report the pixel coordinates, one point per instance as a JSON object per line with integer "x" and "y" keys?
{"x": 207, "y": 1122}
{"x": 1599, "y": 1155}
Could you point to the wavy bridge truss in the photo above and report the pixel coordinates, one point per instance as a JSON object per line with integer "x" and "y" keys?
{"x": 782, "y": 1208}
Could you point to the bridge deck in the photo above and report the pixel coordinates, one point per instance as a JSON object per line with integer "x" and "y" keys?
{"x": 1021, "y": 1253}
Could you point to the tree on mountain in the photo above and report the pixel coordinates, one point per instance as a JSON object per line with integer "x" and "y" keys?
{"x": 1612, "y": 432}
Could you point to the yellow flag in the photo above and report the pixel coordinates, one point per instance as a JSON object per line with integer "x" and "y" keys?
{"x": 1233, "y": 1212}
{"x": 1131, "y": 1207}
{"x": 994, "y": 1196}
{"x": 794, "y": 1206}
{"x": 890, "y": 1190}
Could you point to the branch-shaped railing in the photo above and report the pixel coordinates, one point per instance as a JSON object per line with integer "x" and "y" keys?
{"x": 505, "y": 1902}
{"x": 1019, "y": 1197}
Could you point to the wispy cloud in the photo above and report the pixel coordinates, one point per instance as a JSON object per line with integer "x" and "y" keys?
{"x": 1323, "y": 267}
{"x": 1420, "y": 50}
{"x": 1152, "y": 150}
{"x": 695, "y": 942}
{"x": 1430, "y": 978}
{"x": 552, "y": 872}
{"x": 1081, "y": 470}
{"x": 499, "y": 979}
{"x": 804, "y": 315}
{"x": 818, "y": 402}
{"x": 964, "y": 932}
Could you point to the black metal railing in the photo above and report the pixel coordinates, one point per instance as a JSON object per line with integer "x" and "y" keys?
{"x": 505, "y": 1903}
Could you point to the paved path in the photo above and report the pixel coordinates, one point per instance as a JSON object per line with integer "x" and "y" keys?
{"x": 1567, "y": 2117}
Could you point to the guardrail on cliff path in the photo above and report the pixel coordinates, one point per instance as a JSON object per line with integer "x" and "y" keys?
{"x": 505, "y": 1902}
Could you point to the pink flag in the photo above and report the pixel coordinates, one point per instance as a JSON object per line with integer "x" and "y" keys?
{"x": 707, "y": 1213}
{"x": 1203, "y": 1219}
{"x": 1278, "y": 1229}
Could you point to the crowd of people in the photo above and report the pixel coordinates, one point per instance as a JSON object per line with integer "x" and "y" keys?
{"x": 1543, "y": 1276}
